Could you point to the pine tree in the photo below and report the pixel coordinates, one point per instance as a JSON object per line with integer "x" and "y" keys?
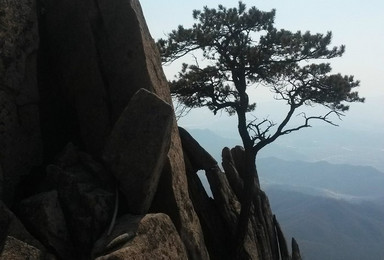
{"x": 244, "y": 49}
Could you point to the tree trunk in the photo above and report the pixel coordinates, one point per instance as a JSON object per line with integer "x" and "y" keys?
{"x": 251, "y": 183}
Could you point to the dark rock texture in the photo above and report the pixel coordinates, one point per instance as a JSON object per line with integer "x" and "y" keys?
{"x": 88, "y": 138}
{"x": 15, "y": 241}
{"x": 20, "y": 136}
{"x": 42, "y": 213}
{"x": 86, "y": 195}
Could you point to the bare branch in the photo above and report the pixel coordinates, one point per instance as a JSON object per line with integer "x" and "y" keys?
{"x": 258, "y": 133}
{"x": 307, "y": 119}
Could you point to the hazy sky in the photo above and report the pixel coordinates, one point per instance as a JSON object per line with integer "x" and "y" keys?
{"x": 357, "y": 24}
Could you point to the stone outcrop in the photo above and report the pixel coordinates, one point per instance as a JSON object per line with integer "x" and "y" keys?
{"x": 92, "y": 163}
{"x": 265, "y": 239}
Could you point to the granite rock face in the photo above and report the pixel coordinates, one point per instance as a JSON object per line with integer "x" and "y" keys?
{"x": 92, "y": 162}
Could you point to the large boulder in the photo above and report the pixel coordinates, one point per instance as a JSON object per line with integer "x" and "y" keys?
{"x": 152, "y": 236}
{"x": 137, "y": 148}
{"x": 20, "y": 136}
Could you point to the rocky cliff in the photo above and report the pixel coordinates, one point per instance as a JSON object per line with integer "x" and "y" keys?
{"x": 92, "y": 163}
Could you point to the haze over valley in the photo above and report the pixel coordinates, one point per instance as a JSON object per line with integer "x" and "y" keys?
{"x": 335, "y": 211}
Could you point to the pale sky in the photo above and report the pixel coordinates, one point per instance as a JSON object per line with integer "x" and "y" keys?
{"x": 355, "y": 23}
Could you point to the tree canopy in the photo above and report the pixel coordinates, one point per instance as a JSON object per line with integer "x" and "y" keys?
{"x": 243, "y": 48}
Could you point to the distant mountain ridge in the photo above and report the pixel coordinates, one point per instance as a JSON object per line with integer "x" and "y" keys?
{"x": 320, "y": 143}
{"x": 336, "y": 211}
{"x": 334, "y": 179}
{"x": 342, "y": 180}
{"x": 330, "y": 229}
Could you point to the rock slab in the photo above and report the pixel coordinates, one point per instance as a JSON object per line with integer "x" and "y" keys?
{"x": 138, "y": 146}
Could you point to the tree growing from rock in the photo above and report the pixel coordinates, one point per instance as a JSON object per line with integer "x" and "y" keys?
{"x": 243, "y": 49}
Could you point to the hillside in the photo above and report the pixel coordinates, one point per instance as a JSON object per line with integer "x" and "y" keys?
{"x": 335, "y": 211}
{"x": 328, "y": 228}
{"x": 323, "y": 178}
{"x": 354, "y": 145}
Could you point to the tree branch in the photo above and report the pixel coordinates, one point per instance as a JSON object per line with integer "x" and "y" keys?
{"x": 260, "y": 134}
